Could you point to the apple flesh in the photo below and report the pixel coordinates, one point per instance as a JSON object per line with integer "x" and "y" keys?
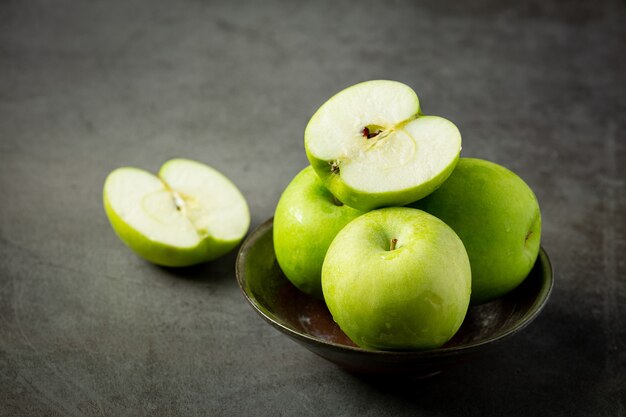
{"x": 397, "y": 279}
{"x": 371, "y": 146}
{"x": 188, "y": 214}
{"x": 496, "y": 215}
{"x": 306, "y": 221}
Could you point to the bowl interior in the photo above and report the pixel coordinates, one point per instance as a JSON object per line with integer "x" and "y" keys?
{"x": 308, "y": 321}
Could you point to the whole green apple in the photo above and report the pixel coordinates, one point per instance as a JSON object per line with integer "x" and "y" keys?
{"x": 372, "y": 147}
{"x": 397, "y": 279}
{"x": 496, "y": 215}
{"x": 307, "y": 219}
{"x": 187, "y": 214}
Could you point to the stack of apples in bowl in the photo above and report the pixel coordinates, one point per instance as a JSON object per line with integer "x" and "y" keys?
{"x": 394, "y": 240}
{"x": 389, "y": 253}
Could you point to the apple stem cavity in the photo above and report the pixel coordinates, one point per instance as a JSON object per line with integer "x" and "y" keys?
{"x": 392, "y": 245}
{"x": 528, "y": 236}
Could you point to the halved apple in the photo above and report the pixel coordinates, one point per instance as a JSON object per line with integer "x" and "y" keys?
{"x": 372, "y": 147}
{"x": 187, "y": 214}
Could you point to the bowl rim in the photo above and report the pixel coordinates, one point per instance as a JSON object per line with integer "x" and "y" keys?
{"x": 547, "y": 284}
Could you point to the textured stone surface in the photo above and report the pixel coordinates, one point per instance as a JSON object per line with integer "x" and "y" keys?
{"x": 86, "y": 328}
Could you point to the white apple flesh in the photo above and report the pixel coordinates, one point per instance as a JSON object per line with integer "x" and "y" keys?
{"x": 188, "y": 214}
{"x": 372, "y": 147}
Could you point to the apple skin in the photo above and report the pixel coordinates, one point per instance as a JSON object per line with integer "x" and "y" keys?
{"x": 160, "y": 253}
{"x": 497, "y": 216}
{"x": 306, "y": 221}
{"x": 413, "y": 297}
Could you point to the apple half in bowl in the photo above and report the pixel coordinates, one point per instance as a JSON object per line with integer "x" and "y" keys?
{"x": 306, "y": 319}
{"x": 372, "y": 146}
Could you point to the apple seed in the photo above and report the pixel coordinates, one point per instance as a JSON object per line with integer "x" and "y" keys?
{"x": 337, "y": 202}
{"x": 368, "y": 135}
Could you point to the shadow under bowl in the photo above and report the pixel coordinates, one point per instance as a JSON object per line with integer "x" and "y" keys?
{"x": 306, "y": 319}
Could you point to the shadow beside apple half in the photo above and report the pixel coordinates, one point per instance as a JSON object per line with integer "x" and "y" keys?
{"x": 307, "y": 320}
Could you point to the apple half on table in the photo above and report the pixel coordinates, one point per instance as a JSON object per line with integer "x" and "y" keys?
{"x": 187, "y": 214}
{"x": 372, "y": 147}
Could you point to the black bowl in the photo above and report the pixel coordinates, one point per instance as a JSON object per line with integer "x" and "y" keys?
{"x": 307, "y": 320}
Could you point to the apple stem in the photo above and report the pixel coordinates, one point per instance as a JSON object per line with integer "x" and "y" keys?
{"x": 392, "y": 246}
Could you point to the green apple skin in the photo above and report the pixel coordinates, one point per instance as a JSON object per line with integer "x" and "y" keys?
{"x": 413, "y": 297}
{"x": 160, "y": 253}
{"x": 306, "y": 221}
{"x": 497, "y": 216}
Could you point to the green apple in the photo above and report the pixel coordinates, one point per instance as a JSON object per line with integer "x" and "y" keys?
{"x": 397, "y": 279}
{"x": 497, "y": 217}
{"x": 187, "y": 214}
{"x": 307, "y": 219}
{"x": 372, "y": 147}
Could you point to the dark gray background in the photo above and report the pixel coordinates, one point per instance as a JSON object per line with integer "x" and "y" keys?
{"x": 87, "y": 328}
